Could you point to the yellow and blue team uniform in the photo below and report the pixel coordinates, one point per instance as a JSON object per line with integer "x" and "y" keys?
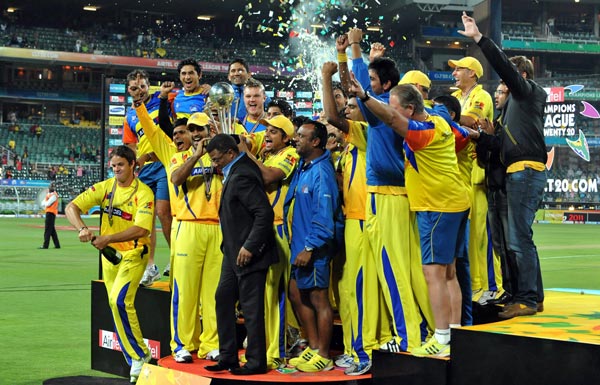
{"x": 132, "y": 206}
{"x": 198, "y": 257}
{"x": 359, "y": 277}
{"x": 486, "y": 272}
{"x": 153, "y": 173}
{"x": 185, "y": 105}
{"x": 278, "y": 274}
{"x": 435, "y": 190}
{"x": 195, "y": 248}
{"x": 389, "y": 225}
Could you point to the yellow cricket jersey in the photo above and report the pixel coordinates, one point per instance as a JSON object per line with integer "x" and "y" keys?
{"x": 476, "y": 104}
{"x": 165, "y": 149}
{"x": 432, "y": 178}
{"x": 199, "y": 203}
{"x": 354, "y": 169}
{"x": 256, "y": 138}
{"x": 286, "y": 160}
{"x": 132, "y": 206}
{"x": 465, "y": 163}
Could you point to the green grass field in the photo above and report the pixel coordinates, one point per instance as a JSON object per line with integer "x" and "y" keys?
{"x": 45, "y": 294}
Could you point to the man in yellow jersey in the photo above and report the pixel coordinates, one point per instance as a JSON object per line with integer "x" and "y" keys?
{"x": 128, "y": 207}
{"x": 277, "y": 162}
{"x": 476, "y": 103}
{"x": 523, "y": 152}
{"x": 193, "y": 181}
{"x": 359, "y": 277}
{"x": 438, "y": 197}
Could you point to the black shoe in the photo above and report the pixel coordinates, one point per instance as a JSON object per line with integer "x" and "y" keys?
{"x": 245, "y": 371}
{"x": 42, "y": 247}
{"x": 502, "y": 300}
{"x": 57, "y": 247}
{"x": 221, "y": 366}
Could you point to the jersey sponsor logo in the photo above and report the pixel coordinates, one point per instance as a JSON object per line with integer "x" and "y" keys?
{"x": 291, "y": 159}
{"x": 109, "y": 340}
{"x": 140, "y": 133}
{"x": 120, "y": 213}
{"x": 479, "y": 105}
{"x": 148, "y": 205}
{"x": 200, "y": 171}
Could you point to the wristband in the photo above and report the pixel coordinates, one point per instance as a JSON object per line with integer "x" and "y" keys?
{"x": 83, "y": 228}
{"x": 342, "y": 57}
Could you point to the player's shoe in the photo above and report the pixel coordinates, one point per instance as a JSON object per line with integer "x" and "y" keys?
{"x": 150, "y": 276}
{"x": 183, "y": 356}
{"x": 487, "y": 295}
{"x": 167, "y": 270}
{"x": 306, "y": 356}
{"x": 392, "y": 346}
{"x": 432, "y": 348}
{"x": 358, "y": 368}
{"x": 136, "y": 368}
{"x": 316, "y": 364}
{"x": 343, "y": 361}
{"x": 275, "y": 363}
{"x": 213, "y": 355}
{"x": 297, "y": 347}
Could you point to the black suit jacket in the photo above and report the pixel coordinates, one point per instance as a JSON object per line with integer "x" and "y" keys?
{"x": 246, "y": 218}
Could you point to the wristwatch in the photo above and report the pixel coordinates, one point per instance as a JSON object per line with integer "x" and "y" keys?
{"x": 308, "y": 249}
{"x": 367, "y": 97}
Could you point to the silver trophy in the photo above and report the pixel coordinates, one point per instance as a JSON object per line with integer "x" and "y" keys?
{"x": 221, "y": 97}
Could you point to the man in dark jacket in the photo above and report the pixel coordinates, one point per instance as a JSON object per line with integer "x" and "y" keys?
{"x": 523, "y": 152}
{"x": 248, "y": 251}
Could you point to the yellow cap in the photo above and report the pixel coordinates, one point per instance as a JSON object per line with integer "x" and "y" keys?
{"x": 198, "y": 119}
{"x": 280, "y": 122}
{"x": 416, "y": 77}
{"x": 468, "y": 62}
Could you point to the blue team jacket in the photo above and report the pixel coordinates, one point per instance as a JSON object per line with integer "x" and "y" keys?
{"x": 317, "y": 215}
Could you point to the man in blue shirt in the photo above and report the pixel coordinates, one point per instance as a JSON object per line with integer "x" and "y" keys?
{"x": 312, "y": 211}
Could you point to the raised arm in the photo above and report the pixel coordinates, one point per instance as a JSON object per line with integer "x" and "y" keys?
{"x": 387, "y": 114}
{"x": 329, "y": 107}
{"x": 341, "y": 44}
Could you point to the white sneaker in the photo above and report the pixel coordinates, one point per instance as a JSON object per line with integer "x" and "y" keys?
{"x": 344, "y": 361}
{"x": 245, "y": 343}
{"x": 213, "y": 355}
{"x": 150, "y": 276}
{"x": 486, "y": 296}
{"x": 167, "y": 270}
{"x": 358, "y": 368}
{"x": 392, "y": 346}
{"x": 183, "y": 356}
{"x": 136, "y": 368}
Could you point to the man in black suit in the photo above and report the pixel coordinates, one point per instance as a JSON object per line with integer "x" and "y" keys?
{"x": 248, "y": 251}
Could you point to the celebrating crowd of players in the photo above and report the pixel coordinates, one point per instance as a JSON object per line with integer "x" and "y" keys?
{"x": 384, "y": 198}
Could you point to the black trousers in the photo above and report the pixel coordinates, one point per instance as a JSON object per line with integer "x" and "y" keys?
{"x": 50, "y": 231}
{"x": 250, "y": 290}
